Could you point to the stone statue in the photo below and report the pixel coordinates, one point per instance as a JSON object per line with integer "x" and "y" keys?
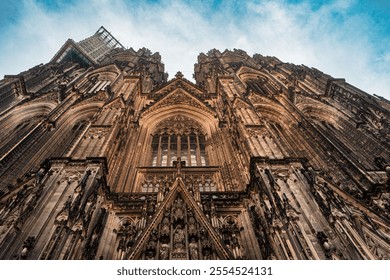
{"x": 178, "y": 239}
{"x": 164, "y": 251}
{"x": 192, "y": 226}
{"x": 193, "y": 249}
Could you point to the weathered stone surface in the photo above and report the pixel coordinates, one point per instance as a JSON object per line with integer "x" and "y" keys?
{"x": 101, "y": 157}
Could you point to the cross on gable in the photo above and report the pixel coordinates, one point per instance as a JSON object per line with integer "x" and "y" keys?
{"x": 178, "y": 164}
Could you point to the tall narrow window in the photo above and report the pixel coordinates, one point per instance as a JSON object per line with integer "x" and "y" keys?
{"x": 202, "y": 152}
{"x": 164, "y": 149}
{"x": 155, "y": 148}
{"x": 184, "y": 148}
{"x": 173, "y": 148}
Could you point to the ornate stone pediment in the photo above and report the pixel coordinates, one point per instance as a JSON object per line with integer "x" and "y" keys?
{"x": 180, "y": 82}
{"x": 179, "y": 230}
{"x": 179, "y": 97}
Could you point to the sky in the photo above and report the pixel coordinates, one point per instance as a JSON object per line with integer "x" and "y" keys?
{"x": 343, "y": 38}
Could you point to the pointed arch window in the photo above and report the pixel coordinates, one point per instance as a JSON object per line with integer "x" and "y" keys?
{"x": 166, "y": 148}
{"x": 179, "y": 137}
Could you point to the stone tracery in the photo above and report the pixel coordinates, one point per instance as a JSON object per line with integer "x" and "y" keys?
{"x": 178, "y": 137}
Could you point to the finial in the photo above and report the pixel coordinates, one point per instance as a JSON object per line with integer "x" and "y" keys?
{"x": 179, "y": 75}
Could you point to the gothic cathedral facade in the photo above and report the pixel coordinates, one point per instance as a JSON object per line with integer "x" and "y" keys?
{"x": 103, "y": 157}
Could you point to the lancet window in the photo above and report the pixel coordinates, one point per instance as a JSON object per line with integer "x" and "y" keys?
{"x": 179, "y": 137}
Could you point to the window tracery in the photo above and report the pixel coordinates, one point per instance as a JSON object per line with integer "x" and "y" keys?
{"x": 176, "y": 137}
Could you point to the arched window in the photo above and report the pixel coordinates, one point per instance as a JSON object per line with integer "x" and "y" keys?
{"x": 178, "y": 137}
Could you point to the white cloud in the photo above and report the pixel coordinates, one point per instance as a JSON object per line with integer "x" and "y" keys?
{"x": 180, "y": 31}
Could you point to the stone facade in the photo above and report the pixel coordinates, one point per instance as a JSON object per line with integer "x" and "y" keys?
{"x": 103, "y": 157}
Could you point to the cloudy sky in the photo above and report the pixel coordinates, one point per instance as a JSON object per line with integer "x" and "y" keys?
{"x": 344, "y": 38}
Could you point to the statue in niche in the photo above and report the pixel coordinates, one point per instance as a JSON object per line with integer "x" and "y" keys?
{"x": 151, "y": 208}
{"x": 193, "y": 249}
{"x": 207, "y": 255}
{"x": 236, "y": 246}
{"x": 128, "y": 231}
{"x": 131, "y": 236}
{"x": 231, "y": 233}
{"x": 164, "y": 251}
{"x": 191, "y": 226}
{"x": 178, "y": 239}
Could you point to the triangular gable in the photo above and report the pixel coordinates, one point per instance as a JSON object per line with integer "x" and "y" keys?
{"x": 180, "y": 82}
{"x": 178, "y": 190}
{"x": 180, "y": 97}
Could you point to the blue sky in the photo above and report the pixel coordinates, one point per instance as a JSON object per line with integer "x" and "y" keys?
{"x": 344, "y": 38}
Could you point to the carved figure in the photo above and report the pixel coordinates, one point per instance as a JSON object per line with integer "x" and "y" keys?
{"x": 178, "y": 239}
{"x": 193, "y": 249}
{"x": 164, "y": 251}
